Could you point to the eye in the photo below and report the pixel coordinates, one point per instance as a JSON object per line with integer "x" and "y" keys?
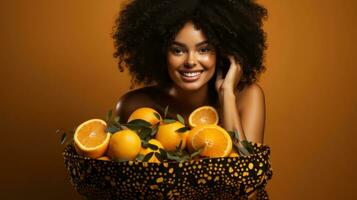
{"x": 177, "y": 50}
{"x": 204, "y": 50}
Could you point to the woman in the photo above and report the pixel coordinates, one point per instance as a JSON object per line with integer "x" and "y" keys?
{"x": 195, "y": 53}
{"x": 191, "y": 53}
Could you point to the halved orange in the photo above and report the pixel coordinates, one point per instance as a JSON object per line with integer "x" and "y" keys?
{"x": 215, "y": 141}
{"x": 145, "y": 113}
{"x": 91, "y": 138}
{"x": 205, "y": 115}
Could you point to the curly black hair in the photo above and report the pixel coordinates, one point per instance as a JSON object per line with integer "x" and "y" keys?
{"x": 144, "y": 30}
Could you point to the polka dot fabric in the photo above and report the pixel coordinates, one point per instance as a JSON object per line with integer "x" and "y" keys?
{"x": 209, "y": 178}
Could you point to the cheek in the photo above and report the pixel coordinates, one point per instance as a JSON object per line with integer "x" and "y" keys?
{"x": 173, "y": 61}
{"x": 208, "y": 61}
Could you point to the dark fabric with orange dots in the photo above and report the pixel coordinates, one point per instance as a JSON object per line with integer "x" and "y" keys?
{"x": 209, "y": 178}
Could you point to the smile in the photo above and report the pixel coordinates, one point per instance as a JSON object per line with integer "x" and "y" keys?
{"x": 190, "y": 76}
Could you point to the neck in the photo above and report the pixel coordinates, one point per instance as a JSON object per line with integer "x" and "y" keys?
{"x": 190, "y": 99}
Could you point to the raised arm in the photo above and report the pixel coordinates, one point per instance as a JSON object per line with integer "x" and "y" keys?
{"x": 250, "y": 124}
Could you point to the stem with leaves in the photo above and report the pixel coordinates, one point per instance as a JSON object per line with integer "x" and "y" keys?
{"x": 244, "y": 147}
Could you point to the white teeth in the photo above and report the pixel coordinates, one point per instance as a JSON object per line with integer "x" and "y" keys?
{"x": 191, "y": 74}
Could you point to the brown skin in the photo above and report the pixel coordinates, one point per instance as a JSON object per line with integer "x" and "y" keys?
{"x": 242, "y": 110}
{"x": 249, "y": 102}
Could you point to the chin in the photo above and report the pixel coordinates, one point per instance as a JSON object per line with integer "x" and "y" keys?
{"x": 190, "y": 86}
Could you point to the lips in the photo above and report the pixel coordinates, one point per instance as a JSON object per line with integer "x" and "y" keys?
{"x": 190, "y": 76}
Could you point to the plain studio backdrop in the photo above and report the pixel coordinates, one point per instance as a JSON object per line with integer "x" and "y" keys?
{"x": 57, "y": 71}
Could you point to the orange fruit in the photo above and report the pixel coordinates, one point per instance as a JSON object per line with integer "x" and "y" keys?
{"x": 103, "y": 158}
{"x": 91, "y": 138}
{"x": 145, "y": 151}
{"x": 124, "y": 145}
{"x": 169, "y": 138}
{"x": 205, "y": 115}
{"x": 188, "y": 140}
{"x": 146, "y": 114}
{"x": 233, "y": 153}
{"x": 215, "y": 141}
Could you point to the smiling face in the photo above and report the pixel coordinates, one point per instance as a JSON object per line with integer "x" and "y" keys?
{"x": 191, "y": 59}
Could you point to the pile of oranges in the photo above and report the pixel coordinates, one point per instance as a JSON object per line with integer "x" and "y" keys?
{"x": 149, "y": 137}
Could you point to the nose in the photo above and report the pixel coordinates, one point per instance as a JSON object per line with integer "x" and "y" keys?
{"x": 190, "y": 61}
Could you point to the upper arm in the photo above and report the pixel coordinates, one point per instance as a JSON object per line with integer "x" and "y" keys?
{"x": 129, "y": 102}
{"x": 253, "y": 114}
{"x": 122, "y": 109}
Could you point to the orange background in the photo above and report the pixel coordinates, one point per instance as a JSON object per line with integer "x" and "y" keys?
{"x": 57, "y": 71}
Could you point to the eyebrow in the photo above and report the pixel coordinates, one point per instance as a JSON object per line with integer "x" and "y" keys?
{"x": 183, "y": 45}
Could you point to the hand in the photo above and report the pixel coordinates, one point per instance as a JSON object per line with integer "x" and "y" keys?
{"x": 233, "y": 76}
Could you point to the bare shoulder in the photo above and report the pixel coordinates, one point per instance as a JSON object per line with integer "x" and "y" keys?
{"x": 131, "y": 101}
{"x": 252, "y": 94}
{"x": 252, "y": 110}
{"x": 254, "y": 89}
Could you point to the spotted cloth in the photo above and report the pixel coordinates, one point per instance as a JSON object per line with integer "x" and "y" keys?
{"x": 210, "y": 178}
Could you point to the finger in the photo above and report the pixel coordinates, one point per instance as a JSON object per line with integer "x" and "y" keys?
{"x": 233, "y": 74}
{"x": 234, "y": 62}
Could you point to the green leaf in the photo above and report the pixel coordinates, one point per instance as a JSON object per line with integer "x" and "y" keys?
{"x": 139, "y": 157}
{"x": 181, "y": 119}
{"x": 144, "y": 143}
{"x": 179, "y": 146}
{"x": 244, "y": 151}
{"x": 139, "y": 122}
{"x": 182, "y": 130}
{"x": 109, "y": 115}
{"x": 197, "y": 152}
{"x": 112, "y": 129}
{"x": 232, "y": 134}
{"x": 116, "y": 119}
{"x": 148, "y": 156}
{"x": 153, "y": 131}
{"x": 171, "y": 156}
{"x": 241, "y": 148}
{"x": 158, "y": 156}
{"x": 236, "y": 134}
{"x": 118, "y": 125}
{"x": 166, "y": 110}
{"x": 152, "y": 146}
{"x": 133, "y": 127}
{"x": 163, "y": 153}
{"x": 248, "y": 146}
{"x": 185, "y": 158}
{"x": 145, "y": 133}
{"x": 169, "y": 121}
{"x": 157, "y": 116}
{"x": 63, "y": 138}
